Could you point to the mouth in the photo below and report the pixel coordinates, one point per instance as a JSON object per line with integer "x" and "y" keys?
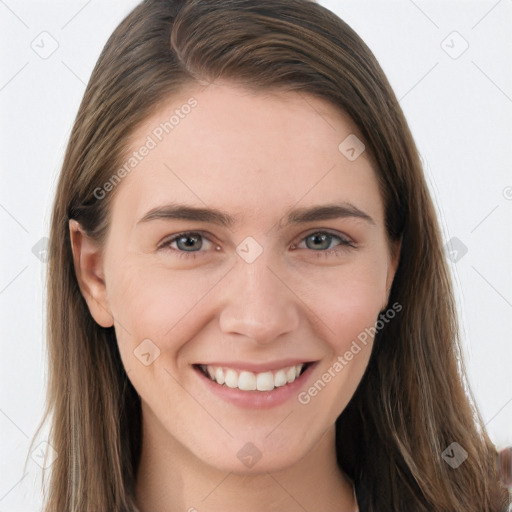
{"x": 244, "y": 380}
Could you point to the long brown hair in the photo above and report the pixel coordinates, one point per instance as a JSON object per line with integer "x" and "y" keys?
{"x": 411, "y": 403}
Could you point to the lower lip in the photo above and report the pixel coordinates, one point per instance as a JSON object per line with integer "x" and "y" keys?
{"x": 258, "y": 399}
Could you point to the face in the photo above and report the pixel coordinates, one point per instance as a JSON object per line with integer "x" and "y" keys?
{"x": 247, "y": 247}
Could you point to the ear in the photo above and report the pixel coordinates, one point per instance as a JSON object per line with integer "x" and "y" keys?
{"x": 394, "y": 260}
{"x": 88, "y": 262}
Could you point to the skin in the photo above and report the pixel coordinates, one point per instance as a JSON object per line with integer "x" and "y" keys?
{"x": 255, "y": 156}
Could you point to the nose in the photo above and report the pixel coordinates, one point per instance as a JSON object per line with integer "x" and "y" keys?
{"x": 257, "y": 302}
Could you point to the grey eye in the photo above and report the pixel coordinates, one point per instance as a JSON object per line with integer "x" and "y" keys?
{"x": 189, "y": 242}
{"x": 320, "y": 241}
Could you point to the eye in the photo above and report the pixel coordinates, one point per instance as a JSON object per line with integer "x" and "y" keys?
{"x": 186, "y": 244}
{"x": 189, "y": 244}
{"x": 321, "y": 242}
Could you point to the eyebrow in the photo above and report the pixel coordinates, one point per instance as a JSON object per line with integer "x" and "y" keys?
{"x": 221, "y": 218}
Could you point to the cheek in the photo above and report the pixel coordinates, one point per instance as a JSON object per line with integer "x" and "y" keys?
{"x": 348, "y": 306}
{"x": 354, "y": 311}
{"x": 151, "y": 302}
{"x": 346, "y": 299}
{"x": 156, "y": 311}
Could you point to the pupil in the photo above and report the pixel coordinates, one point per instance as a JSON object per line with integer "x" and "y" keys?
{"x": 321, "y": 238}
{"x": 189, "y": 241}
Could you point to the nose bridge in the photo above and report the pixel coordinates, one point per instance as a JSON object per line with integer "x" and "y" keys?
{"x": 256, "y": 301}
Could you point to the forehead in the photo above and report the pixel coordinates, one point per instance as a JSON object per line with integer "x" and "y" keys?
{"x": 251, "y": 153}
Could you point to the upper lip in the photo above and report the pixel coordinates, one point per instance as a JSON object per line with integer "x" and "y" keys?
{"x": 258, "y": 367}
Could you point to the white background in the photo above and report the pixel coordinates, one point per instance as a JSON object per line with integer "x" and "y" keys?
{"x": 460, "y": 113}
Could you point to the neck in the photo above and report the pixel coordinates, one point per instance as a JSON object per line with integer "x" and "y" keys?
{"x": 172, "y": 479}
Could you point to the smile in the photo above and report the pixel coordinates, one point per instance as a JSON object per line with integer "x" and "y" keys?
{"x": 250, "y": 381}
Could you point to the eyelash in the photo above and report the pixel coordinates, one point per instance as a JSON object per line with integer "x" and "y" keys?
{"x": 344, "y": 245}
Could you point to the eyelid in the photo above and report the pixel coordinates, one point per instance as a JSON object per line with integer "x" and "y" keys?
{"x": 344, "y": 240}
{"x": 166, "y": 241}
{"x": 331, "y": 232}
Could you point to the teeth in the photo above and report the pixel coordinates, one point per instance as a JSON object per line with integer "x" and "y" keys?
{"x": 265, "y": 381}
{"x": 291, "y": 374}
{"x": 249, "y": 381}
{"x": 219, "y": 376}
{"x": 231, "y": 379}
{"x": 280, "y": 379}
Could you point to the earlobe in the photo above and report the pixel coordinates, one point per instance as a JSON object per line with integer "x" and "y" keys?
{"x": 88, "y": 260}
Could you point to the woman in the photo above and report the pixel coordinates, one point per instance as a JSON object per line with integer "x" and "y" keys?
{"x": 249, "y": 306}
